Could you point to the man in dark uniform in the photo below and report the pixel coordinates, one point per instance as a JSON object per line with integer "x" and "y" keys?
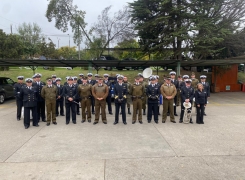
{"x": 66, "y": 83}
{"x": 121, "y": 92}
{"x": 108, "y": 99}
{"x": 128, "y": 100}
{"x": 187, "y": 95}
{"x": 80, "y": 81}
{"x": 69, "y": 93}
{"x": 19, "y": 102}
{"x": 206, "y": 88}
{"x": 60, "y": 98}
{"x": 176, "y": 83}
{"x": 182, "y": 84}
{"x": 34, "y": 78}
{"x": 153, "y": 93}
{"x": 54, "y": 79}
{"x": 137, "y": 91}
{"x": 40, "y": 101}
{"x": 77, "y": 100}
{"x": 180, "y": 80}
{"x": 28, "y": 95}
{"x": 49, "y": 93}
{"x": 100, "y": 92}
{"x": 84, "y": 92}
{"x": 92, "y": 82}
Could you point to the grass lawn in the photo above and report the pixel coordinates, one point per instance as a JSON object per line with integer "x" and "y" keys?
{"x": 62, "y": 72}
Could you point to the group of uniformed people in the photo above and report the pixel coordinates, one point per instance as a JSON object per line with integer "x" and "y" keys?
{"x": 93, "y": 95}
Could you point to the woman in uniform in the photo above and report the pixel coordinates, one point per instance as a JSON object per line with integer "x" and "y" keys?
{"x": 201, "y": 102}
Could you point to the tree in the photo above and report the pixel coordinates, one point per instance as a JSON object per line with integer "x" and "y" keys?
{"x": 31, "y": 37}
{"x": 48, "y": 49}
{"x": 192, "y": 28}
{"x": 106, "y": 30}
{"x": 67, "y": 52}
{"x": 132, "y": 50}
{"x": 113, "y": 29}
{"x": 64, "y": 12}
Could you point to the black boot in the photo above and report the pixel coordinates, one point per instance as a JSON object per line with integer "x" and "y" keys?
{"x": 129, "y": 111}
{"x": 144, "y": 112}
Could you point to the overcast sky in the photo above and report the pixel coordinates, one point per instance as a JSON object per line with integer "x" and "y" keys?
{"x": 16, "y": 12}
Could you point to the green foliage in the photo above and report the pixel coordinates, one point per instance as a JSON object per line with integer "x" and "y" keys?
{"x": 67, "y": 52}
{"x": 195, "y": 28}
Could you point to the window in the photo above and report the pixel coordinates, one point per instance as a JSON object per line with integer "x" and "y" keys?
{"x": 9, "y": 81}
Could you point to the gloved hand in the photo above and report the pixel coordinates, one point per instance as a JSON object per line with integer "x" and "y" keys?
{"x": 116, "y": 97}
{"x": 124, "y": 96}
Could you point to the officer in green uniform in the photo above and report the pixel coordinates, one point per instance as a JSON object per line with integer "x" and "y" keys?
{"x": 194, "y": 81}
{"x": 144, "y": 84}
{"x": 49, "y": 93}
{"x": 100, "y": 92}
{"x": 128, "y": 99}
{"x": 137, "y": 91}
{"x": 168, "y": 91}
{"x": 84, "y": 91}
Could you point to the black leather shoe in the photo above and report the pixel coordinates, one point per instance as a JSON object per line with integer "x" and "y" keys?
{"x": 26, "y": 127}
{"x": 57, "y": 115}
{"x": 159, "y": 114}
{"x": 144, "y": 112}
{"x": 78, "y": 113}
{"x": 133, "y": 122}
{"x": 156, "y": 122}
{"x": 55, "y": 123}
{"x": 36, "y": 125}
{"x": 176, "y": 114}
{"x": 163, "y": 121}
{"x": 173, "y": 121}
{"x": 180, "y": 121}
{"x": 82, "y": 121}
{"x": 205, "y": 114}
{"x": 67, "y": 123}
{"x": 18, "y": 119}
{"x": 93, "y": 112}
{"x": 140, "y": 122}
{"x": 48, "y": 124}
{"x": 44, "y": 120}
{"x": 105, "y": 122}
{"x": 62, "y": 115}
{"x": 95, "y": 123}
{"x": 89, "y": 121}
{"x": 129, "y": 112}
{"x": 110, "y": 113}
{"x": 167, "y": 114}
{"x": 149, "y": 121}
{"x": 115, "y": 123}
{"x": 74, "y": 122}
{"x": 120, "y": 113}
{"x": 191, "y": 121}
{"x": 125, "y": 123}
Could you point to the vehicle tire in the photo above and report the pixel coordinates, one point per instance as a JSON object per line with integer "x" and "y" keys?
{"x": 2, "y": 98}
{"x": 128, "y": 69}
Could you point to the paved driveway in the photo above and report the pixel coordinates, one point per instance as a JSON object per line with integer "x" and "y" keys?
{"x": 214, "y": 150}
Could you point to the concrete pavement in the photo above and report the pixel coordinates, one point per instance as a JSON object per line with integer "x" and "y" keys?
{"x": 214, "y": 150}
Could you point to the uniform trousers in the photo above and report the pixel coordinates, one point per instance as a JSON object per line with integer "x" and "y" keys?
{"x": 19, "y": 104}
{"x": 27, "y": 111}
{"x": 70, "y": 108}
{"x": 51, "y": 110}
{"x": 137, "y": 105}
{"x": 40, "y": 110}
{"x": 108, "y": 101}
{"x": 122, "y": 105}
{"x": 100, "y": 105}
{"x": 168, "y": 104}
{"x": 200, "y": 112}
{"x": 60, "y": 104}
{"x": 153, "y": 107}
{"x": 92, "y": 103}
{"x": 86, "y": 106}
